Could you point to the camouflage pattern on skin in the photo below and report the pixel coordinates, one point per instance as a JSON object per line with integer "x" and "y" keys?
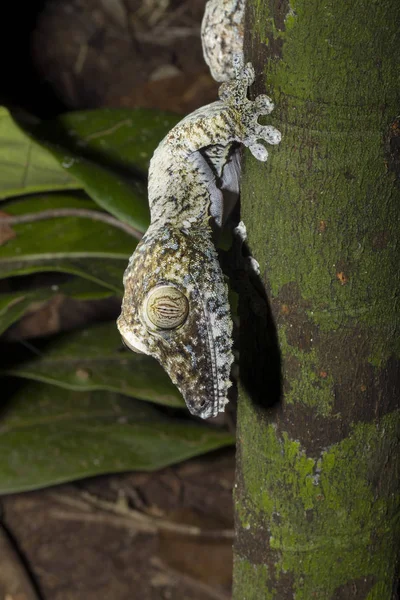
{"x": 177, "y": 252}
{"x": 197, "y": 355}
{"x": 222, "y": 32}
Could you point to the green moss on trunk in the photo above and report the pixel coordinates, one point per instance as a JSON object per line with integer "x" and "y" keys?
{"x": 327, "y": 521}
{"x": 317, "y": 494}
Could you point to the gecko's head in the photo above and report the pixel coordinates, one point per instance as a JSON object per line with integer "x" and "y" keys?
{"x": 175, "y": 308}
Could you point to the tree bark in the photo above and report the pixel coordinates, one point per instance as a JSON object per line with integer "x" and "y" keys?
{"x": 317, "y": 484}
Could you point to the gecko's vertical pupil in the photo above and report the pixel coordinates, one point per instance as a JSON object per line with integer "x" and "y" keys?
{"x": 166, "y": 307}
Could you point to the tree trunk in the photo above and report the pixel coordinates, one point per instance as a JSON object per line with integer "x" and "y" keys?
{"x": 317, "y": 489}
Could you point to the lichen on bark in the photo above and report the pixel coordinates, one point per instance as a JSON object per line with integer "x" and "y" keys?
{"x": 321, "y": 517}
{"x": 317, "y": 497}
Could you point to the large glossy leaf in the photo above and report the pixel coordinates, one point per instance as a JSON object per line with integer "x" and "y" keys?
{"x": 26, "y": 166}
{"x": 16, "y": 304}
{"x": 80, "y": 246}
{"x": 107, "y": 272}
{"x": 123, "y": 196}
{"x": 127, "y": 137}
{"x": 95, "y": 358}
{"x": 49, "y": 435}
{"x": 108, "y": 151}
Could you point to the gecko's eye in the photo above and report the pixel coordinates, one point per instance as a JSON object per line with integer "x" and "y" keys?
{"x": 166, "y": 307}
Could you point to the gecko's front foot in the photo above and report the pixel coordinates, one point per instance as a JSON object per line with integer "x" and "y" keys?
{"x": 234, "y": 94}
{"x": 250, "y": 263}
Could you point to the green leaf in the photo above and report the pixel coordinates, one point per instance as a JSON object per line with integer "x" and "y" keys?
{"x": 107, "y": 273}
{"x": 123, "y": 197}
{"x": 127, "y": 137}
{"x": 27, "y": 167}
{"x": 15, "y": 305}
{"x": 50, "y": 435}
{"x": 109, "y": 151}
{"x": 91, "y": 249}
{"x": 94, "y": 359}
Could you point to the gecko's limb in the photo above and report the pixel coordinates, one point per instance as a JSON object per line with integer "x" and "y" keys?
{"x": 250, "y": 263}
{"x": 178, "y": 169}
{"x": 234, "y": 94}
{"x": 234, "y": 118}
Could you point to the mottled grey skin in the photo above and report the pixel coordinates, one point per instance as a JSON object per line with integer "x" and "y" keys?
{"x": 222, "y": 36}
{"x": 196, "y": 355}
{"x": 188, "y": 172}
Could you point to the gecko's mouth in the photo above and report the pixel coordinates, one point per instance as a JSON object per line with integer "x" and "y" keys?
{"x": 203, "y": 408}
{"x": 129, "y": 338}
{"x": 202, "y": 402}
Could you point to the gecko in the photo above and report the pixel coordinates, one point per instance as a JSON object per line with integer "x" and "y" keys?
{"x": 175, "y": 306}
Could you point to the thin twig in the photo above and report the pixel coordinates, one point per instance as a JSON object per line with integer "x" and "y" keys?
{"x": 173, "y": 15}
{"x": 189, "y": 581}
{"x": 108, "y": 131}
{"x": 142, "y": 521}
{"x": 81, "y": 58}
{"x": 132, "y": 494}
{"x": 102, "y": 519}
{"x": 153, "y": 9}
{"x": 14, "y": 579}
{"x": 85, "y": 213}
{"x": 71, "y": 501}
{"x": 164, "y": 38}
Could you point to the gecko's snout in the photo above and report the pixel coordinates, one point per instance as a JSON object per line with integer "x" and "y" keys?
{"x": 205, "y": 406}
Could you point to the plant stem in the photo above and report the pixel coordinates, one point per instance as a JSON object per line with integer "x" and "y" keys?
{"x": 57, "y": 213}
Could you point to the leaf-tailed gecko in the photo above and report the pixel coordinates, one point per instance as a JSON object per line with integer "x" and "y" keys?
{"x": 175, "y": 307}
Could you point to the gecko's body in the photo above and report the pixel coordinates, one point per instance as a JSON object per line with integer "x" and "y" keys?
{"x": 175, "y": 305}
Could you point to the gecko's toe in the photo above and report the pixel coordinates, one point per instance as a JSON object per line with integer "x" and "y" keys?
{"x": 269, "y": 134}
{"x": 263, "y": 105}
{"x": 241, "y": 231}
{"x": 253, "y": 265}
{"x": 238, "y": 64}
{"x": 259, "y": 151}
{"x": 248, "y": 74}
